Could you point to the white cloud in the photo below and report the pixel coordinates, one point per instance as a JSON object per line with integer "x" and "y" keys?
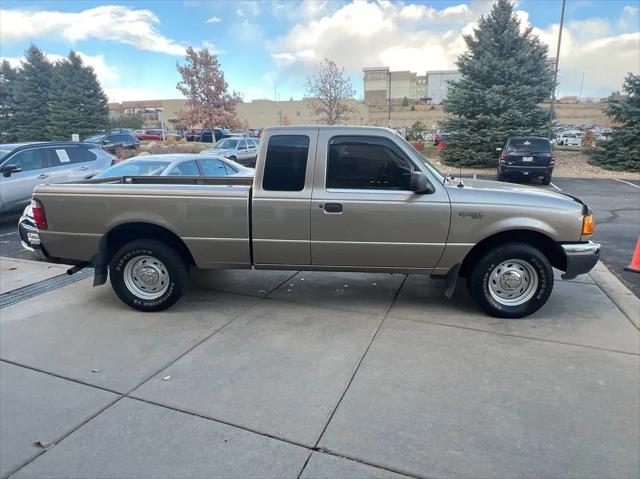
{"x": 418, "y": 37}
{"x": 110, "y": 79}
{"x": 110, "y": 22}
{"x": 214, "y": 20}
{"x": 630, "y": 10}
{"x": 107, "y": 74}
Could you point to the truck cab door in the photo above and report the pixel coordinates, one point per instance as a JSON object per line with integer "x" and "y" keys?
{"x": 363, "y": 213}
{"x": 282, "y": 199}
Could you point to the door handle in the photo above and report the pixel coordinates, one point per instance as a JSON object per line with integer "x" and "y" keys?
{"x": 333, "y": 208}
{"x": 83, "y": 168}
{"x": 42, "y": 176}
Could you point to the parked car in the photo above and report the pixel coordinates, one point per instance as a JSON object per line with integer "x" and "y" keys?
{"x": 242, "y": 150}
{"x": 569, "y": 138}
{"x": 527, "y": 156}
{"x": 154, "y": 134}
{"x": 206, "y": 135}
{"x": 113, "y": 141}
{"x": 177, "y": 164}
{"x": 151, "y": 165}
{"x": 25, "y": 165}
{"x": 322, "y": 198}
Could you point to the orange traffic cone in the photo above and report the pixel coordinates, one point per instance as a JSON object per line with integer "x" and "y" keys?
{"x": 635, "y": 261}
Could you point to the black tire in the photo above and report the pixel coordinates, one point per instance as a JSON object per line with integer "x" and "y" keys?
{"x": 233, "y": 158}
{"x": 481, "y": 275}
{"x": 546, "y": 180}
{"x": 500, "y": 176}
{"x": 172, "y": 265}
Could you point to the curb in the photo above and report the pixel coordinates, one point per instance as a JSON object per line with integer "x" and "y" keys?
{"x": 627, "y": 302}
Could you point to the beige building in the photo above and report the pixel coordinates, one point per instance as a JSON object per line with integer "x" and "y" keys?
{"x": 380, "y": 83}
{"x": 265, "y": 113}
{"x": 404, "y": 86}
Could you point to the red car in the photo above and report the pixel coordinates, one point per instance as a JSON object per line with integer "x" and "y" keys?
{"x": 152, "y": 135}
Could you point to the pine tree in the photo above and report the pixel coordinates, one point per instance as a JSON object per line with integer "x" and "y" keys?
{"x": 31, "y": 95}
{"x": 8, "y": 78}
{"x": 622, "y": 150}
{"x": 504, "y": 78}
{"x": 77, "y": 103}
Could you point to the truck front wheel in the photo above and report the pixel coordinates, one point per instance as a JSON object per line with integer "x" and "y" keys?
{"x": 511, "y": 281}
{"x": 148, "y": 275}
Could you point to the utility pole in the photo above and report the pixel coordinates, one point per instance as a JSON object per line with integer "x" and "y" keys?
{"x": 581, "y": 85}
{"x": 555, "y": 70}
{"x": 389, "y": 90}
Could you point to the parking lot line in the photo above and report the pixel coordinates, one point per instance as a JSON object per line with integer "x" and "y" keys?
{"x": 627, "y": 182}
{"x": 556, "y": 187}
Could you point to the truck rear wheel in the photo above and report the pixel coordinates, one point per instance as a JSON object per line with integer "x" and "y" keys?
{"x": 148, "y": 275}
{"x": 511, "y": 281}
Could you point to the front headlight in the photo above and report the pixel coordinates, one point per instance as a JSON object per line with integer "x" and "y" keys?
{"x": 588, "y": 225}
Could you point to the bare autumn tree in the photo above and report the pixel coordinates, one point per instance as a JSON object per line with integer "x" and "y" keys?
{"x": 209, "y": 102}
{"x": 329, "y": 93}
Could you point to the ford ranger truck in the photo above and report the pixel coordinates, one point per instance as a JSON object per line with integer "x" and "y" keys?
{"x": 323, "y": 198}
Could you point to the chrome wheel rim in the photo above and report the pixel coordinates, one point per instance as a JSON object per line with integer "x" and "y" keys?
{"x": 146, "y": 277}
{"x": 513, "y": 282}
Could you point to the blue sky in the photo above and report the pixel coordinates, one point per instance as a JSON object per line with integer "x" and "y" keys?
{"x": 134, "y": 45}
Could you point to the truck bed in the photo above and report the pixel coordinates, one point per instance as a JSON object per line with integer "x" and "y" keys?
{"x": 211, "y": 215}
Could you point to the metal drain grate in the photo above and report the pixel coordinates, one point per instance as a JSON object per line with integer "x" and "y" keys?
{"x": 26, "y": 292}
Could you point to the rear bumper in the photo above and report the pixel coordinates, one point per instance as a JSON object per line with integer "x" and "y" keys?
{"x": 29, "y": 237}
{"x": 526, "y": 170}
{"x": 581, "y": 258}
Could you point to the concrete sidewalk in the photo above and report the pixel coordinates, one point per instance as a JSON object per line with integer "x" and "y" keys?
{"x": 17, "y": 273}
{"x": 285, "y": 374}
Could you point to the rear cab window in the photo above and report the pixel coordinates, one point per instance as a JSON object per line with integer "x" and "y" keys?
{"x": 286, "y": 163}
{"x": 533, "y": 145}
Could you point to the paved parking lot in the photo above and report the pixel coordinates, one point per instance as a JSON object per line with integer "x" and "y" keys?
{"x": 317, "y": 375}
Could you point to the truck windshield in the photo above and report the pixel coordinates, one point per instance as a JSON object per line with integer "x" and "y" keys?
{"x": 135, "y": 168}
{"x": 539, "y": 145}
{"x": 418, "y": 156}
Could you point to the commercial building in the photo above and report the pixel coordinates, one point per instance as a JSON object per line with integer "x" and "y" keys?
{"x": 265, "y": 113}
{"x": 256, "y": 113}
{"x": 438, "y": 84}
{"x": 380, "y": 84}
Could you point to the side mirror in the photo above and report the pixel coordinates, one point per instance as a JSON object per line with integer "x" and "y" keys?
{"x": 498, "y": 149}
{"x": 8, "y": 170}
{"x": 420, "y": 184}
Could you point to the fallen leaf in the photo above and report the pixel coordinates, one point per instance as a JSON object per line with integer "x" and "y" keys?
{"x": 167, "y": 377}
{"x": 96, "y": 370}
{"x": 41, "y": 443}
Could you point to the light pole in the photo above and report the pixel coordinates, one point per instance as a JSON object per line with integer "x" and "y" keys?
{"x": 389, "y": 90}
{"x": 555, "y": 70}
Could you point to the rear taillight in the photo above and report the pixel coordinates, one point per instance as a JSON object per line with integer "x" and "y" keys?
{"x": 552, "y": 160}
{"x": 503, "y": 158}
{"x": 39, "y": 217}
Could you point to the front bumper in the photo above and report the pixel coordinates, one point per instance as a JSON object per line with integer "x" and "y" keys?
{"x": 581, "y": 258}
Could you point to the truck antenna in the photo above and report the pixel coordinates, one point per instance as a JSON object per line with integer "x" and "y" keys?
{"x": 460, "y": 183}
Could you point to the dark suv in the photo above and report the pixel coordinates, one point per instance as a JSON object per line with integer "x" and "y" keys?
{"x": 114, "y": 140}
{"x": 526, "y": 156}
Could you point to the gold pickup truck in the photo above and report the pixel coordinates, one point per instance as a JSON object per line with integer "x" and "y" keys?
{"x": 327, "y": 198}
